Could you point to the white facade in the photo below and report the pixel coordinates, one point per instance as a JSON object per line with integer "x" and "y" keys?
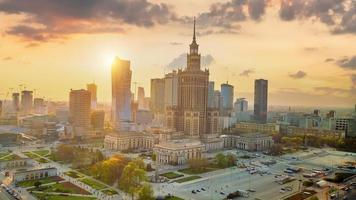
{"x": 249, "y": 142}
{"x": 178, "y": 152}
{"x": 129, "y": 141}
{"x": 33, "y": 174}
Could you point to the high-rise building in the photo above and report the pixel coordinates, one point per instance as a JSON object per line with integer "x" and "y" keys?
{"x": 227, "y": 93}
{"x": 217, "y": 101}
{"x": 92, "y": 88}
{"x": 211, "y": 94}
{"x": 121, "y": 92}
{"x": 16, "y": 101}
{"x": 157, "y": 95}
{"x": 26, "y": 101}
{"x": 190, "y": 115}
{"x": 171, "y": 89}
{"x": 141, "y": 98}
{"x": 241, "y": 105}
{"x": 97, "y": 119}
{"x": 0, "y": 108}
{"x": 38, "y": 105}
{"x": 260, "y": 103}
{"x": 79, "y": 108}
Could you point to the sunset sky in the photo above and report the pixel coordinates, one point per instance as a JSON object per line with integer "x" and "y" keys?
{"x": 305, "y": 48}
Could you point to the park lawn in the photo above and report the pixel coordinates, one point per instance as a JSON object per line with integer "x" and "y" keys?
{"x": 171, "y": 175}
{"x": 109, "y": 192}
{"x": 189, "y": 178}
{"x": 85, "y": 170}
{"x": 60, "y": 197}
{"x": 3, "y": 154}
{"x": 46, "y": 180}
{"x": 42, "y": 152}
{"x": 64, "y": 187}
{"x": 172, "y": 198}
{"x": 92, "y": 183}
{"x": 10, "y": 157}
{"x": 211, "y": 167}
{"x": 35, "y": 157}
{"x": 74, "y": 174}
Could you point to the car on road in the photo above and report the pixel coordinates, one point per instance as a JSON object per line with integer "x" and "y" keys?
{"x": 193, "y": 191}
{"x": 222, "y": 193}
{"x": 202, "y": 189}
{"x": 251, "y": 190}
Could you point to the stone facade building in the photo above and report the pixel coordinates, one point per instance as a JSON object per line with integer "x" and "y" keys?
{"x": 248, "y": 142}
{"x": 129, "y": 141}
{"x": 178, "y": 152}
{"x": 34, "y": 174}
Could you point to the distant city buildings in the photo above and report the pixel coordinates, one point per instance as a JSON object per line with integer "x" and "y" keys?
{"x": 171, "y": 89}
{"x": 16, "y": 101}
{"x": 249, "y": 142}
{"x": 227, "y": 94}
{"x": 211, "y": 89}
{"x": 92, "y": 88}
{"x": 241, "y": 105}
{"x": 121, "y": 93}
{"x": 157, "y": 95}
{"x": 26, "y": 102}
{"x": 79, "y": 110}
{"x": 97, "y": 120}
{"x": 39, "y": 105}
{"x": 260, "y": 102}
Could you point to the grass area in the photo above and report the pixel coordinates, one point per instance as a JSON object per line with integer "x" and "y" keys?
{"x": 10, "y": 157}
{"x": 172, "y": 198}
{"x": 60, "y": 197}
{"x": 189, "y": 178}
{"x": 171, "y": 175}
{"x": 30, "y": 183}
{"x": 73, "y": 174}
{"x": 3, "y": 154}
{"x": 64, "y": 187}
{"x": 92, "y": 183}
{"x": 85, "y": 170}
{"x": 109, "y": 192}
{"x": 35, "y": 157}
{"x": 42, "y": 152}
{"x": 210, "y": 168}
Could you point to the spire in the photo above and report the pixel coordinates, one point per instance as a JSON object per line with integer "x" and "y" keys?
{"x": 194, "y": 31}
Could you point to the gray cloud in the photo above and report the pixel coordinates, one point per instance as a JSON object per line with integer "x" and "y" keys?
{"x": 181, "y": 61}
{"x": 353, "y": 79}
{"x": 298, "y": 75}
{"x": 61, "y": 17}
{"x": 175, "y": 43}
{"x": 347, "y": 63}
{"x": 311, "y": 49}
{"x": 329, "y": 60}
{"x": 325, "y": 11}
{"x": 223, "y": 18}
{"x": 247, "y": 72}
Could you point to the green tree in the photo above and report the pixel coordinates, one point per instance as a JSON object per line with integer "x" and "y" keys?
{"x": 276, "y": 149}
{"x": 131, "y": 178}
{"x": 221, "y": 160}
{"x": 146, "y": 192}
{"x": 198, "y": 164}
{"x": 37, "y": 184}
{"x": 231, "y": 160}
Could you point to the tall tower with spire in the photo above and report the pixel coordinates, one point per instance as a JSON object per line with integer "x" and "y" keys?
{"x": 191, "y": 111}
{"x": 193, "y": 58}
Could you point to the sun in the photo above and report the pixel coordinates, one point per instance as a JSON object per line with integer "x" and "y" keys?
{"x": 108, "y": 58}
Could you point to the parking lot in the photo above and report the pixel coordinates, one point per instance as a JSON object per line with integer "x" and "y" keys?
{"x": 262, "y": 183}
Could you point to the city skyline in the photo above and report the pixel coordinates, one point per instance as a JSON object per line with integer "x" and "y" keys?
{"x": 314, "y": 66}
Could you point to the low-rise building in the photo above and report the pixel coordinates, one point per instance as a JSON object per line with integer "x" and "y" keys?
{"x": 249, "y": 141}
{"x": 255, "y": 127}
{"x": 129, "y": 141}
{"x": 33, "y": 174}
{"x": 15, "y": 163}
{"x": 178, "y": 152}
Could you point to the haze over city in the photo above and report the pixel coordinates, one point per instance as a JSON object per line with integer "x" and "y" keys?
{"x": 307, "y": 53}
